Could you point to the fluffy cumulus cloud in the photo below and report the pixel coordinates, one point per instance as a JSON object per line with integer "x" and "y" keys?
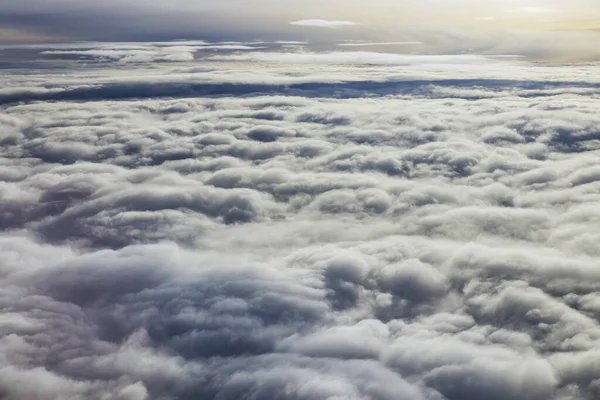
{"x": 327, "y": 226}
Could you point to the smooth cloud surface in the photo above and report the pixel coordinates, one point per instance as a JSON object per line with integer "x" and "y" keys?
{"x": 326, "y": 226}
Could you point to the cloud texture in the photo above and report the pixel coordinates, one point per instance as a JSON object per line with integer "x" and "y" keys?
{"x": 419, "y": 228}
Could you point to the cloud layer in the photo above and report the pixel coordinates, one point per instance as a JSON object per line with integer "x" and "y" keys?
{"x": 557, "y": 30}
{"x": 421, "y": 228}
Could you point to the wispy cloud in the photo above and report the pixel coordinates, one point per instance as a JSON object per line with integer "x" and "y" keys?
{"x": 366, "y": 44}
{"x": 324, "y": 23}
{"x": 355, "y": 58}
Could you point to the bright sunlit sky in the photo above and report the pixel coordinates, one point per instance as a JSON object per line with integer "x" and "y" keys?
{"x": 558, "y": 29}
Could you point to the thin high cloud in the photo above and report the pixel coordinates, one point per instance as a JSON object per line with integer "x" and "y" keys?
{"x": 377, "y": 44}
{"x": 356, "y": 57}
{"x": 451, "y": 26}
{"x": 323, "y": 23}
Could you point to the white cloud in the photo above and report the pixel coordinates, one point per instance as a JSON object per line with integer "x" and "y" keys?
{"x": 141, "y": 53}
{"x": 323, "y": 23}
{"x": 422, "y": 227}
{"x": 291, "y": 42}
{"x": 367, "y": 44}
{"x": 357, "y": 57}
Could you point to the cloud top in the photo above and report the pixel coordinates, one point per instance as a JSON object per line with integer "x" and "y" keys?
{"x": 251, "y": 228}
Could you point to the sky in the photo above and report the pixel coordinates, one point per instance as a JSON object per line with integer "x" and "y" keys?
{"x": 551, "y": 29}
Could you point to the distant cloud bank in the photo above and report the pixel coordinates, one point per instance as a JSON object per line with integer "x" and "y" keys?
{"x": 323, "y": 23}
